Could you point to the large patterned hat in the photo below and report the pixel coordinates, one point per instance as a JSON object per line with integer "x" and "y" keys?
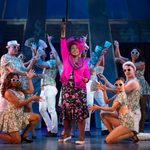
{"x": 79, "y": 41}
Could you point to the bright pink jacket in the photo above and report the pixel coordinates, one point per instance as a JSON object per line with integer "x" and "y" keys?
{"x": 79, "y": 74}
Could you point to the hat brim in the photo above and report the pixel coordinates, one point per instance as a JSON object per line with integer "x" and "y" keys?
{"x": 12, "y": 45}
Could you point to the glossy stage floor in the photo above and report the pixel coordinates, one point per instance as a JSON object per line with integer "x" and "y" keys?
{"x": 94, "y": 142}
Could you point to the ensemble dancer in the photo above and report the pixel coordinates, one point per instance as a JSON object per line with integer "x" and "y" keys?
{"x": 13, "y": 119}
{"x": 132, "y": 89}
{"x": 138, "y": 60}
{"x": 74, "y": 77}
{"x": 49, "y": 90}
{"x": 11, "y": 63}
{"x": 93, "y": 93}
{"x": 124, "y": 120}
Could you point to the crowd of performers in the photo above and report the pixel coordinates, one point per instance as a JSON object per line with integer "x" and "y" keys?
{"x": 84, "y": 90}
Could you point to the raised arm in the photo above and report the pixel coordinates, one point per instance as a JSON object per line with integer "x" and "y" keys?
{"x": 57, "y": 58}
{"x": 30, "y": 75}
{"x": 118, "y": 56}
{"x": 101, "y": 61}
{"x": 63, "y": 42}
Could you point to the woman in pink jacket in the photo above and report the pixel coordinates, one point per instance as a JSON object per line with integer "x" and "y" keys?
{"x": 74, "y": 77}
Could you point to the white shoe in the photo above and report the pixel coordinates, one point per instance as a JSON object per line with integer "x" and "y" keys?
{"x": 67, "y": 138}
{"x": 62, "y": 139}
{"x": 79, "y": 142}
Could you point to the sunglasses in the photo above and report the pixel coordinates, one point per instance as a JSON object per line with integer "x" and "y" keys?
{"x": 15, "y": 47}
{"x": 120, "y": 84}
{"x": 15, "y": 80}
{"x": 134, "y": 53}
{"x": 126, "y": 70}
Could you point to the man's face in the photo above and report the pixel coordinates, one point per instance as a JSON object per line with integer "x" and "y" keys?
{"x": 13, "y": 50}
{"x": 129, "y": 71}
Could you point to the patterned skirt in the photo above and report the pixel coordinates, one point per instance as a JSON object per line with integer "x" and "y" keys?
{"x": 13, "y": 120}
{"x": 74, "y": 104}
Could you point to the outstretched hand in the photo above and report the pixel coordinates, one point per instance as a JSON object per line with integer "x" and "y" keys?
{"x": 93, "y": 108}
{"x": 30, "y": 74}
{"x": 49, "y": 37}
{"x": 116, "y": 43}
{"x": 36, "y": 98}
{"x": 102, "y": 86}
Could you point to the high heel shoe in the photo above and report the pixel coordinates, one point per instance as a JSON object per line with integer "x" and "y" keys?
{"x": 25, "y": 139}
{"x": 134, "y": 137}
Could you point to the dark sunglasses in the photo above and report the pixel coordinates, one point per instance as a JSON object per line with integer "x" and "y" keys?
{"x": 126, "y": 70}
{"x": 120, "y": 84}
{"x": 15, "y": 80}
{"x": 16, "y": 47}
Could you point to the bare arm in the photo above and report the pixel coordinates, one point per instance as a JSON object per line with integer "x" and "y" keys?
{"x": 32, "y": 62}
{"x": 118, "y": 56}
{"x": 102, "y": 77}
{"x": 57, "y": 58}
{"x": 63, "y": 29}
{"x": 9, "y": 96}
{"x": 131, "y": 85}
{"x": 101, "y": 61}
{"x": 30, "y": 75}
{"x": 15, "y": 71}
{"x": 113, "y": 108}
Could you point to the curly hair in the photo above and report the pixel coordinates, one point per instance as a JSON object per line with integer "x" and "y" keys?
{"x": 7, "y": 84}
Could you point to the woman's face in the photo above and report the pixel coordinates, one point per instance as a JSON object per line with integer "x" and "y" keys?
{"x": 74, "y": 51}
{"x": 135, "y": 54}
{"x": 129, "y": 71}
{"x": 15, "y": 81}
{"x": 119, "y": 84}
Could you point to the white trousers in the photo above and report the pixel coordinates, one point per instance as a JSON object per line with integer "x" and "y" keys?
{"x": 98, "y": 96}
{"x": 90, "y": 100}
{"x": 47, "y": 104}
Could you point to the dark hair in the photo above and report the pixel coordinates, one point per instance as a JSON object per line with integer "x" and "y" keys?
{"x": 7, "y": 83}
{"x": 140, "y": 58}
{"x": 120, "y": 78}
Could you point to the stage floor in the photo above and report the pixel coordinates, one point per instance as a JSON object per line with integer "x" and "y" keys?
{"x": 94, "y": 142}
